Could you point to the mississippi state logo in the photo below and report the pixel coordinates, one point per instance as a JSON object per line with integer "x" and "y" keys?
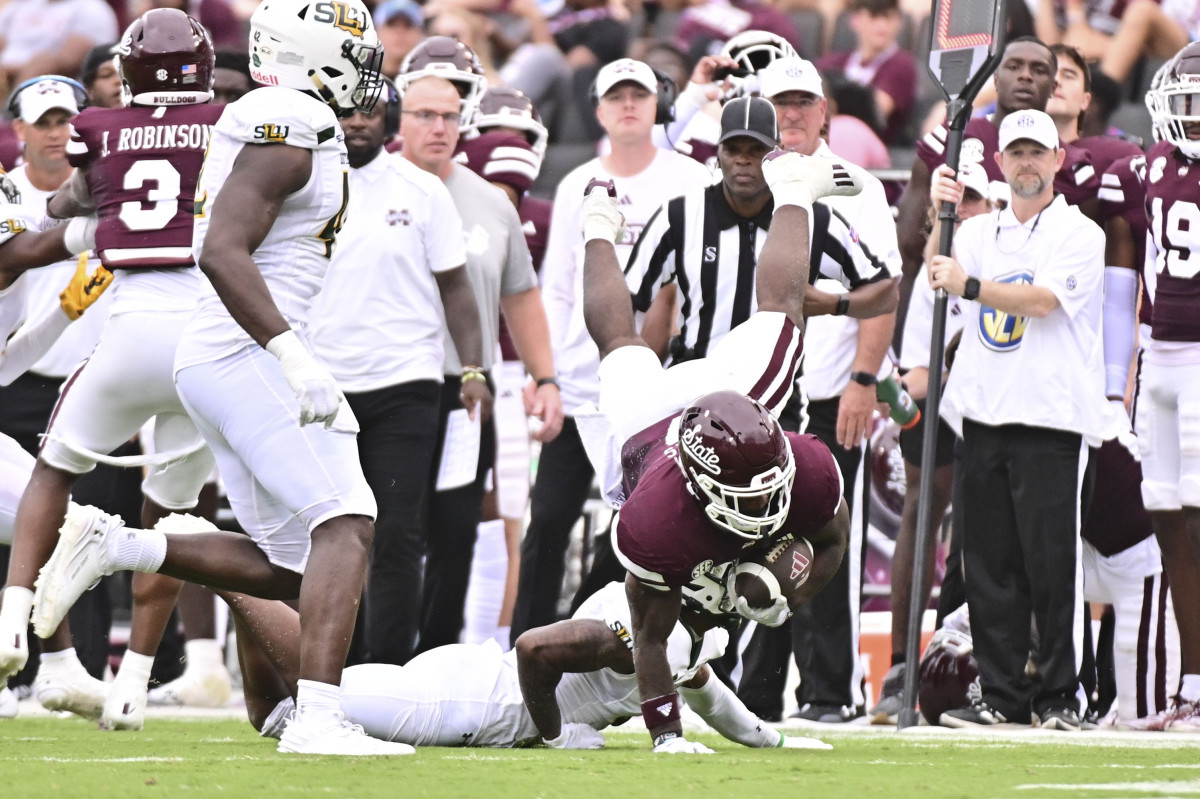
{"x": 1000, "y": 330}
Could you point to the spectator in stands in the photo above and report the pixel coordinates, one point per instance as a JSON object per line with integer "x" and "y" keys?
{"x": 401, "y": 27}
{"x": 850, "y": 136}
{"x": 879, "y": 62}
{"x": 39, "y": 37}
{"x": 100, "y": 77}
{"x": 217, "y": 16}
{"x": 703, "y": 28}
{"x": 1148, "y": 29}
{"x": 589, "y": 35}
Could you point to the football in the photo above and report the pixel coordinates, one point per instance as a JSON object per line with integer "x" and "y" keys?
{"x": 778, "y": 570}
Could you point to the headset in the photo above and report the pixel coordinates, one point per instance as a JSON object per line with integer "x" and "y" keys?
{"x": 668, "y": 92}
{"x": 391, "y": 111}
{"x": 81, "y": 94}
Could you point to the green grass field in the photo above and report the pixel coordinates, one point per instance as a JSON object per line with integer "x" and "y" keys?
{"x": 50, "y": 757}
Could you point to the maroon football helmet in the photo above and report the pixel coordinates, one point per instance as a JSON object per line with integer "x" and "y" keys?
{"x": 446, "y": 57}
{"x": 501, "y": 157}
{"x": 949, "y": 674}
{"x": 166, "y": 58}
{"x": 505, "y": 107}
{"x": 737, "y": 462}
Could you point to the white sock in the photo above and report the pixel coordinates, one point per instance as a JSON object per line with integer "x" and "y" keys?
{"x": 317, "y": 700}
{"x": 137, "y": 550}
{"x": 62, "y": 657}
{"x": 203, "y": 652}
{"x": 136, "y": 667}
{"x": 16, "y": 607}
{"x": 1190, "y": 690}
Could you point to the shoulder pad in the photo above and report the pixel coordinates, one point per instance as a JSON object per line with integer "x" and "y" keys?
{"x": 271, "y": 115}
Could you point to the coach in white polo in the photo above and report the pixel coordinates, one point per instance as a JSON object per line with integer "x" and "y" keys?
{"x": 1027, "y": 394}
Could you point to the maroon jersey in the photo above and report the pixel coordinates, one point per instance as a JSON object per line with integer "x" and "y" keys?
{"x": 1172, "y": 194}
{"x": 1123, "y": 194}
{"x": 143, "y": 163}
{"x": 1116, "y": 519}
{"x": 662, "y": 534}
{"x": 1077, "y": 180}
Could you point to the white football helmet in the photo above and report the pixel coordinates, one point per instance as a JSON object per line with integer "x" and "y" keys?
{"x": 327, "y": 48}
{"x": 754, "y": 50}
{"x": 446, "y": 57}
{"x": 1175, "y": 102}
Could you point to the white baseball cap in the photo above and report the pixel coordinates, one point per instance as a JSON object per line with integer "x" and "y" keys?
{"x": 1029, "y": 124}
{"x": 45, "y": 95}
{"x": 793, "y": 74}
{"x": 974, "y": 177}
{"x": 622, "y": 70}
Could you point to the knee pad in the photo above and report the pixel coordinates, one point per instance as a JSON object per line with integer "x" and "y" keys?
{"x": 176, "y": 485}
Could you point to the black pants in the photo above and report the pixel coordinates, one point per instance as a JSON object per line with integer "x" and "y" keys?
{"x": 823, "y": 632}
{"x": 450, "y": 539}
{"x": 1022, "y": 493}
{"x": 25, "y": 408}
{"x": 954, "y": 591}
{"x": 564, "y": 479}
{"x": 397, "y": 438}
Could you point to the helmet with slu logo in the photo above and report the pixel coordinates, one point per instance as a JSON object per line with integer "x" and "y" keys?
{"x": 738, "y": 463}
{"x": 328, "y": 49}
{"x": 446, "y": 57}
{"x": 166, "y": 58}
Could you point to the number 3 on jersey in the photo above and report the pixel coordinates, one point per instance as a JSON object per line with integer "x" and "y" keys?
{"x": 1177, "y": 237}
{"x": 329, "y": 233}
{"x": 162, "y": 201}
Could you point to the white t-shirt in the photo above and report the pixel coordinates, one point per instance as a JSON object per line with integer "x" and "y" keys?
{"x": 378, "y": 320}
{"x": 918, "y": 324}
{"x": 831, "y": 342}
{"x": 1046, "y": 372}
{"x": 42, "y": 289}
{"x": 294, "y": 256}
{"x": 576, "y": 358}
{"x": 32, "y": 27}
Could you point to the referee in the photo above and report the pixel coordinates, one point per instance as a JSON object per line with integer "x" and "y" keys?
{"x": 707, "y": 243}
{"x": 1027, "y": 394}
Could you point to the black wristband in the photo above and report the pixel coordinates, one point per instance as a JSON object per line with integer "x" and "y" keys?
{"x": 971, "y": 290}
{"x": 547, "y": 381}
{"x": 864, "y": 378}
{"x": 843, "y": 306}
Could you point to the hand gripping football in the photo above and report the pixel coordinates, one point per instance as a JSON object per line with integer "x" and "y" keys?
{"x": 777, "y": 571}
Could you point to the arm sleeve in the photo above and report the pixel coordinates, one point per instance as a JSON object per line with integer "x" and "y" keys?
{"x": 1120, "y": 327}
{"x": 724, "y": 712}
{"x": 30, "y": 343}
{"x": 444, "y": 245}
{"x": 650, "y": 265}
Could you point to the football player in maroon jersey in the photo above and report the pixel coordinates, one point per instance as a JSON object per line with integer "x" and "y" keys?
{"x": 137, "y": 167}
{"x": 706, "y": 485}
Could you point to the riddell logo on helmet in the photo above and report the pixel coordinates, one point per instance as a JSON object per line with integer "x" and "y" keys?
{"x": 264, "y": 78}
{"x": 341, "y": 16}
{"x": 690, "y": 440}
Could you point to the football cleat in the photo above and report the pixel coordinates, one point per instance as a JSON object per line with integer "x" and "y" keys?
{"x": 283, "y": 715}
{"x": 8, "y": 704}
{"x": 976, "y": 714}
{"x": 199, "y": 686}
{"x": 125, "y": 707}
{"x": 826, "y": 714}
{"x": 891, "y": 697}
{"x": 1060, "y": 718}
{"x": 335, "y": 736}
{"x": 1184, "y": 717}
{"x": 80, "y": 559}
{"x": 796, "y": 179}
{"x": 601, "y": 217}
{"x": 64, "y": 685}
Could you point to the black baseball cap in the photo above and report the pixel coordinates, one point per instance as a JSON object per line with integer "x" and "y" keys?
{"x": 750, "y": 116}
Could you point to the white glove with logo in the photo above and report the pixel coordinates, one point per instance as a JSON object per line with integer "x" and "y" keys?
{"x": 601, "y": 217}
{"x": 576, "y": 736}
{"x": 313, "y": 385}
{"x": 682, "y": 746}
{"x": 772, "y": 616}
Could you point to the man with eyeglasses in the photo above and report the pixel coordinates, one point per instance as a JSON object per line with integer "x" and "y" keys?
{"x": 437, "y": 98}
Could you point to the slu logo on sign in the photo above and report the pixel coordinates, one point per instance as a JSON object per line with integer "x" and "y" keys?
{"x": 999, "y": 330}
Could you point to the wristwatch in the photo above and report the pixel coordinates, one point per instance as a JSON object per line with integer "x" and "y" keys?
{"x": 971, "y": 292}
{"x": 864, "y": 378}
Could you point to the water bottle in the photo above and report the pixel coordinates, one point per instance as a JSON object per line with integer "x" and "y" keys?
{"x": 904, "y": 409}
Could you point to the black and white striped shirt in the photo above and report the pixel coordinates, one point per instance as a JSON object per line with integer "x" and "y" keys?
{"x": 698, "y": 242}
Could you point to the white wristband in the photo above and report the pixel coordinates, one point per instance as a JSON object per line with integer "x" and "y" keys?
{"x": 79, "y": 235}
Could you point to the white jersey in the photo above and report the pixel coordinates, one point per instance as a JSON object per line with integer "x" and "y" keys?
{"x": 14, "y": 219}
{"x": 575, "y": 355}
{"x": 470, "y": 694}
{"x": 918, "y": 323}
{"x": 294, "y": 255}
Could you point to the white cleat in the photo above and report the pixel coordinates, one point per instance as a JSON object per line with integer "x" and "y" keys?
{"x": 80, "y": 559}
{"x": 335, "y": 736}
{"x": 66, "y": 686}
{"x": 199, "y": 686}
{"x": 796, "y": 179}
{"x": 14, "y": 651}
{"x": 8, "y": 704}
{"x": 125, "y": 708}
{"x": 283, "y": 715}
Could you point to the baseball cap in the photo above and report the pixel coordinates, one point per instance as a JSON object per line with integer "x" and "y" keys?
{"x": 387, "y": 11}
{"x": 974, "y": 177}
{"x": 502, "y": 157}
{"x": 749, "y": 116}
{"x": 43, "y": 95}
{"x": 622, "y": 70}
{"x": 793, "y": 74}
{"x": 1029, "y": 124}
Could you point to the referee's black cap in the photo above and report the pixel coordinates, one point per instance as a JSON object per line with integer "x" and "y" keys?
{"x": 750, "y": 116}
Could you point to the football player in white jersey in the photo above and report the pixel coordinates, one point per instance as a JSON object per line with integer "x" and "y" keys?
{"x": 269, "y": 204}
{"x": 561, "y": 684}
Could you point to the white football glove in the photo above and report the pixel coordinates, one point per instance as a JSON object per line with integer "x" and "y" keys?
{"x": 682, "y": 746}
{"x": 772, "y": 616}
{"x": 796, "y": 179}
{"x": 311, "y": 382}
{"x": 601, "y": 217}
{"x": 797, "y": 742}
{"x": 8, "y": 189}
{"x": 576, "y": 736}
